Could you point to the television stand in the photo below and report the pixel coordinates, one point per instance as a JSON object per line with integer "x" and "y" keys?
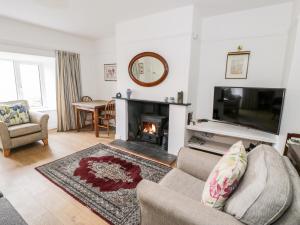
{"x": 219, "y": 137}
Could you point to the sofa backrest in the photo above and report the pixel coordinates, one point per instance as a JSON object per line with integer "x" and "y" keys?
{"x": 24, "y": 102}
{"x": 292, "y": 214}
{"x": 265, "y": 192}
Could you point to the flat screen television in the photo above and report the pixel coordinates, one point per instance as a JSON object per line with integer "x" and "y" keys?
{"x": 259, "y": 108}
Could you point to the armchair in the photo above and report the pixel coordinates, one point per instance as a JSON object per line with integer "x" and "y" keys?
{"x": 22, "y": 134}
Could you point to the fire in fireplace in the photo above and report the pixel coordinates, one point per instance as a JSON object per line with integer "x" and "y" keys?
{"x": 149, "y": 127}
{"x": 152, "y": 127}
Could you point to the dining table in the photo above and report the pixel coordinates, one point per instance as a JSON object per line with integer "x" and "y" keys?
{"x": 95, "y": 106}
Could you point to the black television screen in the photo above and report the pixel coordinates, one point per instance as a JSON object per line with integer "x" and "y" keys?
{"x": 258, "y": 108}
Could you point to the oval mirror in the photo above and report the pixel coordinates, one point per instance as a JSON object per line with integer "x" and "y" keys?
{"x": 148, "y": 69}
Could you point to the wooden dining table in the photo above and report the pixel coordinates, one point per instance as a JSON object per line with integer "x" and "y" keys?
{"x": 95, "y": 107}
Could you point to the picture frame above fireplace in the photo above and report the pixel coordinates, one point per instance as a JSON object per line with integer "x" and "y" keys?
{"x": 148, "y": 69}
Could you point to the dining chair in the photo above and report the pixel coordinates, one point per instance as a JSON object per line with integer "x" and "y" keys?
{"x": 109, "y": 115}
{"x": 86, "y": 113}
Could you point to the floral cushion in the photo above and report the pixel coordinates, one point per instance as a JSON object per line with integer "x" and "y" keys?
{"x": 225, "y": 177}
{"x": 14, "y": 114}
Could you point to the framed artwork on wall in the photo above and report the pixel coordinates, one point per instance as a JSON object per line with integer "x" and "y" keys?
{"x": 237, "y": 65}
{"x": 110, "y": 72}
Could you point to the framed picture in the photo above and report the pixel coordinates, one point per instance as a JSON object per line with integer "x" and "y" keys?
{"x": 237, "y": 65}
{"x": 110, "y": 72}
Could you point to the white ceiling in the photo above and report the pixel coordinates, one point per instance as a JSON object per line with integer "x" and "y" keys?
{"x": 96, "y": 18}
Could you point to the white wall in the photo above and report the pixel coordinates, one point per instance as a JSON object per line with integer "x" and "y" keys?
{"x": 21, "y": 37}
{"x": 168, "y": 34}
{"x": 106, "y": 54}
{"x": 263, "y": 31}
{"x": 291, "y": 120}
{"x": 194, "y": 68}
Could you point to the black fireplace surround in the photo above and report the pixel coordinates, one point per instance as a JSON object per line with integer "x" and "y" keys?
{"x": 148, "y": 122}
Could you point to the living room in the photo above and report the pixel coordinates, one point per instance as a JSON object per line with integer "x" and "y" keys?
{"x": 104, "y": 106}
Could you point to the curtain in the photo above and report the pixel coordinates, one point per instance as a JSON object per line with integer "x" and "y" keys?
{"x": 68, "y": 88}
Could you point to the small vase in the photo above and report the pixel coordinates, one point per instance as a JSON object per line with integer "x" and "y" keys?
{"x": 128, "y": 92}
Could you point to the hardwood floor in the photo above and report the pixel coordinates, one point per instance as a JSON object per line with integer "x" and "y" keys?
{"x": 38, "y": 200}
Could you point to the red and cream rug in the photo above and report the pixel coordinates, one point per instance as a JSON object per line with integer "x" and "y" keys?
{"x": 104, "y": 179}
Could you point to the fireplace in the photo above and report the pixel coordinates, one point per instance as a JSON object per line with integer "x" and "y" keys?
{"x": 152, "y": 127}
{"x": 148, "y": 122}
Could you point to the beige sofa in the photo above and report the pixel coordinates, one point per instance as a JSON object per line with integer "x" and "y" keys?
{"x": 18, "y": 135}
{"x": 176, "y": 200}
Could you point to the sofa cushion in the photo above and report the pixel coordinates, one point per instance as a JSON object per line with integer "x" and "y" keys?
{"x": 14, "y": 114}
{"x": 181, "y": 182}
{"x": 291, "y": 215}
{"x": 225, "y": 177}
{"x": 24, "y": 129}
{"x": 265, "y": 191}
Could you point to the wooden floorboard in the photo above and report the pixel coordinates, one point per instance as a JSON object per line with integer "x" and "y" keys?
{"x": 37, "y": 199}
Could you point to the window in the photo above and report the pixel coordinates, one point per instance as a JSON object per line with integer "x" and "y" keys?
{"x": 30, "y": 84}
{"x": 25, "y": 79}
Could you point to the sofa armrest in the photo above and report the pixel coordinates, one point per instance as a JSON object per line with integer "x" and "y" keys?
{"x": 172, "y": 208}
{"x": 196, "y": 163}
{"x": 42, "y": 120}
{"x": 5, "y": 141}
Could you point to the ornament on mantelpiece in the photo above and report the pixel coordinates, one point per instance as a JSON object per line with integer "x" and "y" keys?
{"x": 172, "y": 100}
{"x": 118, "y": 95}
{"x": 128, "y": 92}
{"x": 180, "y": 97}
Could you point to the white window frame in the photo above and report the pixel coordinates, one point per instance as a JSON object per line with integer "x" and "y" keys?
{"x": 17, "y": 74}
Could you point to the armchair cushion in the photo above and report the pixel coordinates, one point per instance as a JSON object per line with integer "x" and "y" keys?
{"x": 183, "y": 183}
{"x": 14, "y": 114}
{"x": 23, "y": 129}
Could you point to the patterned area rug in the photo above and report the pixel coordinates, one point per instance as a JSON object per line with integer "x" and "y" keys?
{"x": 104, "y": 179}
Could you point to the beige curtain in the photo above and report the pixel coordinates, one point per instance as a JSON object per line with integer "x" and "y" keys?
{"x": 68, "y": 88}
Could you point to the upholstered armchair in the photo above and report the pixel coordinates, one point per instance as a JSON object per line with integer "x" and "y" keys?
{"x": 22, "y": 134}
